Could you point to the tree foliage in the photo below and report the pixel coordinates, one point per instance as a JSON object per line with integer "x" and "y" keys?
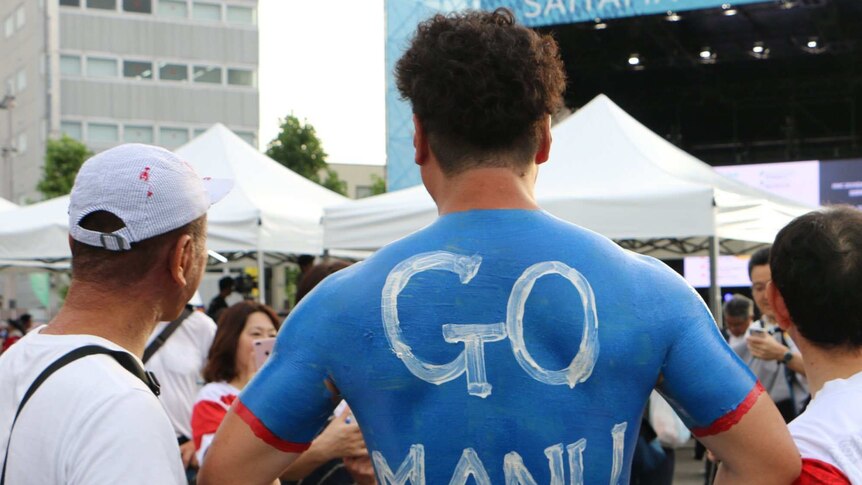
{"x": 298, "y": 148}
{"x": 63, "y": 159}
{"x": 378, "y": 184}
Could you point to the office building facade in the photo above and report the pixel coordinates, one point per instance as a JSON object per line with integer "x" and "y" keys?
{"x": 107, "y": 72}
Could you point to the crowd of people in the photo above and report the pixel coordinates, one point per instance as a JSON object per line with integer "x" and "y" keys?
{"x": 497, "y": 345}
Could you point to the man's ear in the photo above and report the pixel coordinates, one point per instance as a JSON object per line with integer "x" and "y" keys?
{"x": 544, "y": 150}
{"x": 776, "y": 300}
{"x": 420, "y": 141}
{"x": 180, "y": 259}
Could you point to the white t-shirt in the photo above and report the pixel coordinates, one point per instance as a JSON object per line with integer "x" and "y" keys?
{"x": 178, "y": 365}
{"x": 90, "y": 422}
{"x": 830, "y": 429}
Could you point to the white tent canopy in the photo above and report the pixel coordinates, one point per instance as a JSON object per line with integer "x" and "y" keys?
{"x": 270, "y": 209}
{"x": 5, "y": 205}
{"x": 608, "y": 173}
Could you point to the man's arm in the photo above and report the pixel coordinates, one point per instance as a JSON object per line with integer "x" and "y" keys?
{"x": 238, "y": 457}
{"x": 756, "y": 450}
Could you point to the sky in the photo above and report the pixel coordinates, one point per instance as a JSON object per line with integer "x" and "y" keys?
{"x": 323, "y": 61}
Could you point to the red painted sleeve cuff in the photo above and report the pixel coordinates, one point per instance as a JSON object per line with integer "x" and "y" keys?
{"x": 816, "y": 472}
{"x": 261, "y": 431}
{"x": 727, "y": 421}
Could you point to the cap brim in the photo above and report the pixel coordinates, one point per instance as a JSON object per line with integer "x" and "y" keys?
{"x": 217, "y": 189}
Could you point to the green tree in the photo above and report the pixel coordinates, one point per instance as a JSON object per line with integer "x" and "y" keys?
{"x": 298, "y": 148}
{"x": 63, "y": 159}
{"x": 378, "y": 184}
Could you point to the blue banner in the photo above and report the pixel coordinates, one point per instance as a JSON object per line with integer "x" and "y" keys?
{"x": 402, "y": 17}
{"x": 536, "y": 13}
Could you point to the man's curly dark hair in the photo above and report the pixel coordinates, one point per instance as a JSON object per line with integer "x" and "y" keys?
{"x": 481, "y": 86}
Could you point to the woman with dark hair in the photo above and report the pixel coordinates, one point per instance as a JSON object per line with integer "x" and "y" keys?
{"x": 231, "y": 365}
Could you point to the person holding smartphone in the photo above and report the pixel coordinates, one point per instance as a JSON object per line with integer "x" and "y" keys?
{"x": 233, "y": 360}
{"x": 769, "y": 352}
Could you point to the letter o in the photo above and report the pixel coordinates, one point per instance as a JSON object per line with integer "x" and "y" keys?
{"x": 582, "y": 365}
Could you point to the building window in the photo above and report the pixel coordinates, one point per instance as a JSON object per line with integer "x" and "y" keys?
{"x": 173, "y": 8}
{"x": 207, "y": 74}
{"x": 240, "y": 77}
{"x": 206, "y": 11}
{"x": 101, "y": 67}
{"x": 240, "y": 15}
{"x": 102, "y": 4}
{"x": 139, "y": 6}
{"x": 248, "y": 136}
{"x": 103, "y": 132}
{"x": 138, "y": 134}
{"x": 21, "y": 80}
{"x": 70, "y": 3}
{"x": 173, "y": 72}
{"x": 198, "y": 132}
{"x": 138, "y": 70}
{"x": 173, "y": 137}
{"x": 363, "y": 191}
{"x": 72, "y": 129}
{"x": 70, "y": 65}
{"x": 22, "y": 143}
{"x": 9, "y": 26}
{"x": 20, "y": 17}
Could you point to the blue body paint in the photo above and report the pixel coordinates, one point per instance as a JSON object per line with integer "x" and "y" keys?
{"x": 499, "y": 346}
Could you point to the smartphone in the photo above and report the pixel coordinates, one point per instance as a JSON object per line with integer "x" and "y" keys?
{"x": 339, "y": 410}
{"x": 262, "y": 349}
{"x": 760, "y": 332}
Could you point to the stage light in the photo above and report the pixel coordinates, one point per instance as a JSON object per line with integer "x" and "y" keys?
{"x": 814, "y": 46}
{"x": 728, "y": 10}
{"x": 599, "y": 25}
{"x": 673, "y": 16}
{"x": 707, "y": 55}
{"x": 759, "y": 50}
{"x": 634, "y": 60}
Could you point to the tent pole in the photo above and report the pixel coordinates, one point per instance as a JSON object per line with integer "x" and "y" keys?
{"x": 261, "y": 266}
{"x": 714, "y": 289}
{"x": 261, "y": 277}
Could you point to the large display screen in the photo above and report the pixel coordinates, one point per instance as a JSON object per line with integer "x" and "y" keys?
{"x": 812, "y": 182}
{"x": 799, "y": 181}
{"x": 732, "y": 271}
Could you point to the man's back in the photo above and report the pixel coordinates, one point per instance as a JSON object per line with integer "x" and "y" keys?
{"x": 566, "y": 334}
{"x": 70, "y": 430}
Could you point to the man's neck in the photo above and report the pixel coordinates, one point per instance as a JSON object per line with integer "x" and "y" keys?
{"x": 125, "y": 317}
{"x": 486, "y": 188}
{"x": 822, "y": 365}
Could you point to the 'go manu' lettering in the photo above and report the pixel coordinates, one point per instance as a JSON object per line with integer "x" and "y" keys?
{"x": 412, "y": 469}
{"x": 474, "y": 336}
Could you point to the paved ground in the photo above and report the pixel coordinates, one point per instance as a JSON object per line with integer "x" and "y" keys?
{"x": 688, "y": 471}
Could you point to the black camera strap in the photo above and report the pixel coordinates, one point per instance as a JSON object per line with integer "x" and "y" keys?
{"x": 125, "y": 359}
{"x": 163, "y": 336}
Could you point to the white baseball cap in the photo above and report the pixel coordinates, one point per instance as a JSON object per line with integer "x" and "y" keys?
{"x": 149, "y": 188}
